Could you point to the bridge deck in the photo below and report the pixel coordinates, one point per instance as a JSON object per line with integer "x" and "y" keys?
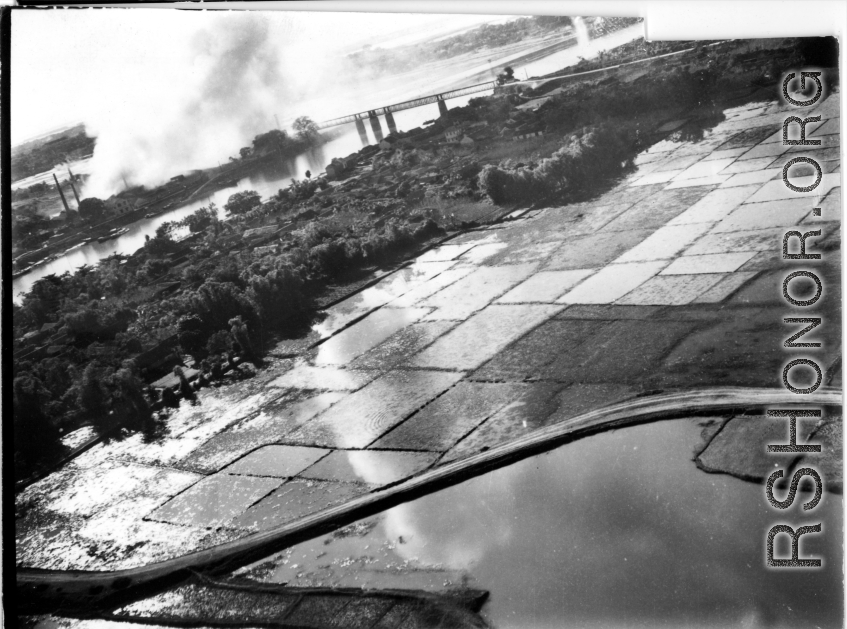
{"x": 409, "y": 104}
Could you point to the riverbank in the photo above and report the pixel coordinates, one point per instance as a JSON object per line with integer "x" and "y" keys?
{"x": 180, "y": 191}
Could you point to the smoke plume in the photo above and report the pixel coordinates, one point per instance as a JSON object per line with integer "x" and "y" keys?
{"x": 224, "y": 88}
{"x": 209, "y": 82}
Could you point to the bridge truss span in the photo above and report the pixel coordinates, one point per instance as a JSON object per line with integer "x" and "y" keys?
{"x": 409, "y": 104}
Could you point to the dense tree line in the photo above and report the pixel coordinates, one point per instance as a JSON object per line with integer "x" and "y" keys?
{"x": 227, "y": 304}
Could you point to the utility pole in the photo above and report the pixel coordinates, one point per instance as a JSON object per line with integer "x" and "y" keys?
{"x": 61, "y": 194}
{"x": 73, "y": 187}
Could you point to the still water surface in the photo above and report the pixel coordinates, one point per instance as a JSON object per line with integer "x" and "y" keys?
{"x": 619, "y": 529}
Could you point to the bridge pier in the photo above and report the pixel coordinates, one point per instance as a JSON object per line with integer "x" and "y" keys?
{"x": 376, "y": 127}
{"x": 363, "y": 133}
{"x": 442, "y": 107}
{"x": 389, "y": 120}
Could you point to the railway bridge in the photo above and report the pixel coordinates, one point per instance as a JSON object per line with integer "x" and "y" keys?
{"x": 387, "y": 111}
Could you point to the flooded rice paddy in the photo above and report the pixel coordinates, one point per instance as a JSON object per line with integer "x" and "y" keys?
{"x": 361, "y": 417}
{"x": 395, "y": 285}
{"x": 619, "y": 529}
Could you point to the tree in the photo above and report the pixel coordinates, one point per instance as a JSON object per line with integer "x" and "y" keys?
{"x": 84, "y": 324}
{"x": 169, "y": 398}
{"x": 192, "y": 334}
{"x": 218, "y": 302}
{"x": 552, "y": 21}
{"x": 242, "y": 202}
{"x": 245, "y": 152}
{"x": 162, "y": 244}
{"x": 305, "y": 128}
{"x": 154, "y": 268}
{"x": 303, "y": 189}
{"x": 43, "y": 300}
{"x": 88, "y": 324}
{"x": 279, "y": 295}
{"x": 93, "y": 397}
{"x": 201, "y": 219}
{"x": 273, "y": 140}
{"x": 92, "y": 209}
{"x": 130, "y": 391}
{"x": 35, "y": 434}
{"x": 166, "y": 229}
{"x": 493, "y": 182}
{"x": 219, "y": 342}
{"x": 184, "y": 384}
{"x": 242, "y": 336}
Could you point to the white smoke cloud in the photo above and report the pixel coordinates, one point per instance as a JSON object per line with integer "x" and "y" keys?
{"x": 186, "y": 90}
{"x": 226, "y": 88}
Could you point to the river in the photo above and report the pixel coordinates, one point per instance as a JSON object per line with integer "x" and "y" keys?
{"x": 469, "y": 69}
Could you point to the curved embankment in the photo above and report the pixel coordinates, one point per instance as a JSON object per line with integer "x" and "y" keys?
{"x": 40, "y": 591}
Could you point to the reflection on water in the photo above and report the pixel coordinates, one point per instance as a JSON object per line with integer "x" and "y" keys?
{"x": 384, "y": 291}
{"x": 364, "y": 335}
{"x": 620, "y": 529}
